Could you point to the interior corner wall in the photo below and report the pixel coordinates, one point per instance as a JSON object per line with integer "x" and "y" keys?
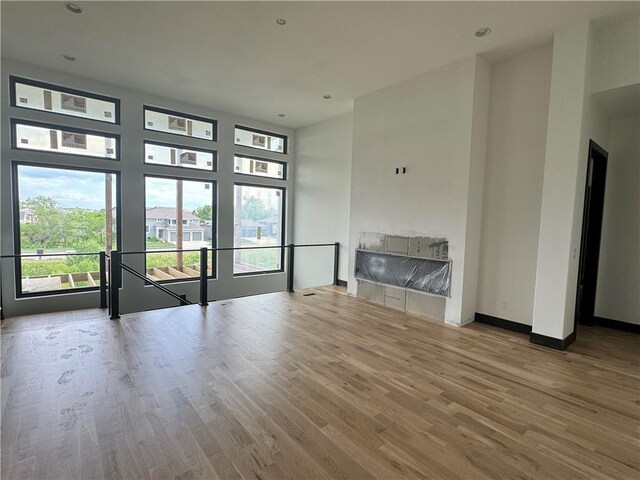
{"x": 516, "y": 138}
{"x": 477, "y": 166}
{"x": 322, "y": 184}
{"x": 595, "y": 126}
{"x": 425, "y": 125}
{"x": 618, "y": 291}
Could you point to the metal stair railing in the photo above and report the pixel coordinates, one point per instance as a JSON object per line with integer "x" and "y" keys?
{"x": 111, "y": 267}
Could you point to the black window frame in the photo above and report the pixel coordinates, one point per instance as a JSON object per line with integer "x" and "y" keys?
{"x": 188, "y": 116}
{"x": 214, "y": 227}
{"x": 282, "y": 229}
{"x": 15, "y": 194}
{"x": 13, "y": 80}
{"x": 64, "y": 128}
{"x": 285, "y": 165}
{"x": 262, "y": 132}
{"x": 185, "y": 147}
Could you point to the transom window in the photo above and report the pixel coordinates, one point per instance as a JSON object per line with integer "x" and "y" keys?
{"x": 71, "y": 141}
{"x": 177, "y": 156}
{"x": 45, "y": 97}
{"x": 260, "y": 139}
{"x": 167, "y": 121}
{"x": 259, "y": 167}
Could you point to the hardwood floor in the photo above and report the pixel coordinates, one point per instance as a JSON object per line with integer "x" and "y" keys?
{"x": 321, "y": 386}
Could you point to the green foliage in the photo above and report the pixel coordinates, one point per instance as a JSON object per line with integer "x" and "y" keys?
{"x": 67, "y": 229}
{"x": 266, "y": 258}
{"x": 204, "y": 213}
{"x": 161, "y": 260}
{"x": 57, "y": 266}
{"x": 48, "y": 230}
{"x": 154, "y": 242}
{"x": 83, "y": 264}
{"x": 253, "y": 208}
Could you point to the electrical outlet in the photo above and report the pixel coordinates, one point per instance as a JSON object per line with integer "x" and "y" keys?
{"x": 575, "y": 253}
{"x": 503, "y": 305}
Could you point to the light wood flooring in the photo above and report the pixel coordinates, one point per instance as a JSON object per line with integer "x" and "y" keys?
{"x": 288, "y": 386}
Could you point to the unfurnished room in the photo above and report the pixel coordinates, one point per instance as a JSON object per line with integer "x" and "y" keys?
{"x": 300, "y": 240}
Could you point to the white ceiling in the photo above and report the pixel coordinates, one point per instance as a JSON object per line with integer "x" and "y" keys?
{"x": 232, "y": 56}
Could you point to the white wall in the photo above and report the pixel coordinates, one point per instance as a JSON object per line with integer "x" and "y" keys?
{"x": 618, "y": 293}
{"x": 321, "y": 211}
{"x": 425, "y": 125}
{"x": 135, "y": 296}
{"x": 516, "y": 141}
{"x": 616, "y": 62}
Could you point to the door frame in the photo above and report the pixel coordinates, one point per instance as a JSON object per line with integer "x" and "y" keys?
{"x": 595, "y": 153}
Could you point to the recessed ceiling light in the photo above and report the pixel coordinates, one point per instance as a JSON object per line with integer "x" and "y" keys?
{"x": 327, "y": 97}
{"x": 73, "y": 7}
{"x": 69, "y": 57}
{"x": 281, "y": 21}
{"x": 483, "y": 32}
{"x": 281, "y": 114}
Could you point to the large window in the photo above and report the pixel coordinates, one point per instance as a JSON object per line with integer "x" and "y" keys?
{"x": 258, "y": 221}
{"x": 179, "y": 214}
{"x": 65, "y": 101}
{"x": 251, "y": 137}
{"x": 62, "y": 212}
{"x": 167, "y": 121}
{"x": 71, "y": 141}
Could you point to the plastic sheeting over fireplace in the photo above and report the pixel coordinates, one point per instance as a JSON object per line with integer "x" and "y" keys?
{"x": 422, "y": 274}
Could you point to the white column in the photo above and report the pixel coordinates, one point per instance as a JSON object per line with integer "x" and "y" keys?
{"x": 560, "y": 218}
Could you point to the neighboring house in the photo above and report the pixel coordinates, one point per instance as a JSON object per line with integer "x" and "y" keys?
{"x": 27, "y": 216}
{"x": 267, "y": 227}
{"x": 271, "y": 226}
{"x": 208, "y": 229}
{"x": 249, "y": 228}
{"x": 161, "y": 223}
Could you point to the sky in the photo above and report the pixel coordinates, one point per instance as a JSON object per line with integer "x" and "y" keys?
{"x": 78, "y": 189}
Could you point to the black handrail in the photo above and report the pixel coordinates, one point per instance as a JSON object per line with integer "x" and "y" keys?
{"x": 290, "y": 263}
{"x": 182, "y": 300}
{"x": 1, "y": 301}
{"x": 336, "y": 262}
{"x": 204, "y": 270}
{"x": 61, "y": 254}
{"x": 140, "y": 252}
{"x": 103, "y": 280}
{"x": 310, "y": 245}
{"x": 224, "y": 249}
{"x": 109, "y": 293}
{"x": 116, "y": 267}
{"x": 115, "y": 281}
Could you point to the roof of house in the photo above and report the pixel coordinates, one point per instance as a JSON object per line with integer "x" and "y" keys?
{"x": 168, "y": 213}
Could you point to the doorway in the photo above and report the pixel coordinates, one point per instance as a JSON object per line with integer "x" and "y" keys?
{"x": 591, "y": 233}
